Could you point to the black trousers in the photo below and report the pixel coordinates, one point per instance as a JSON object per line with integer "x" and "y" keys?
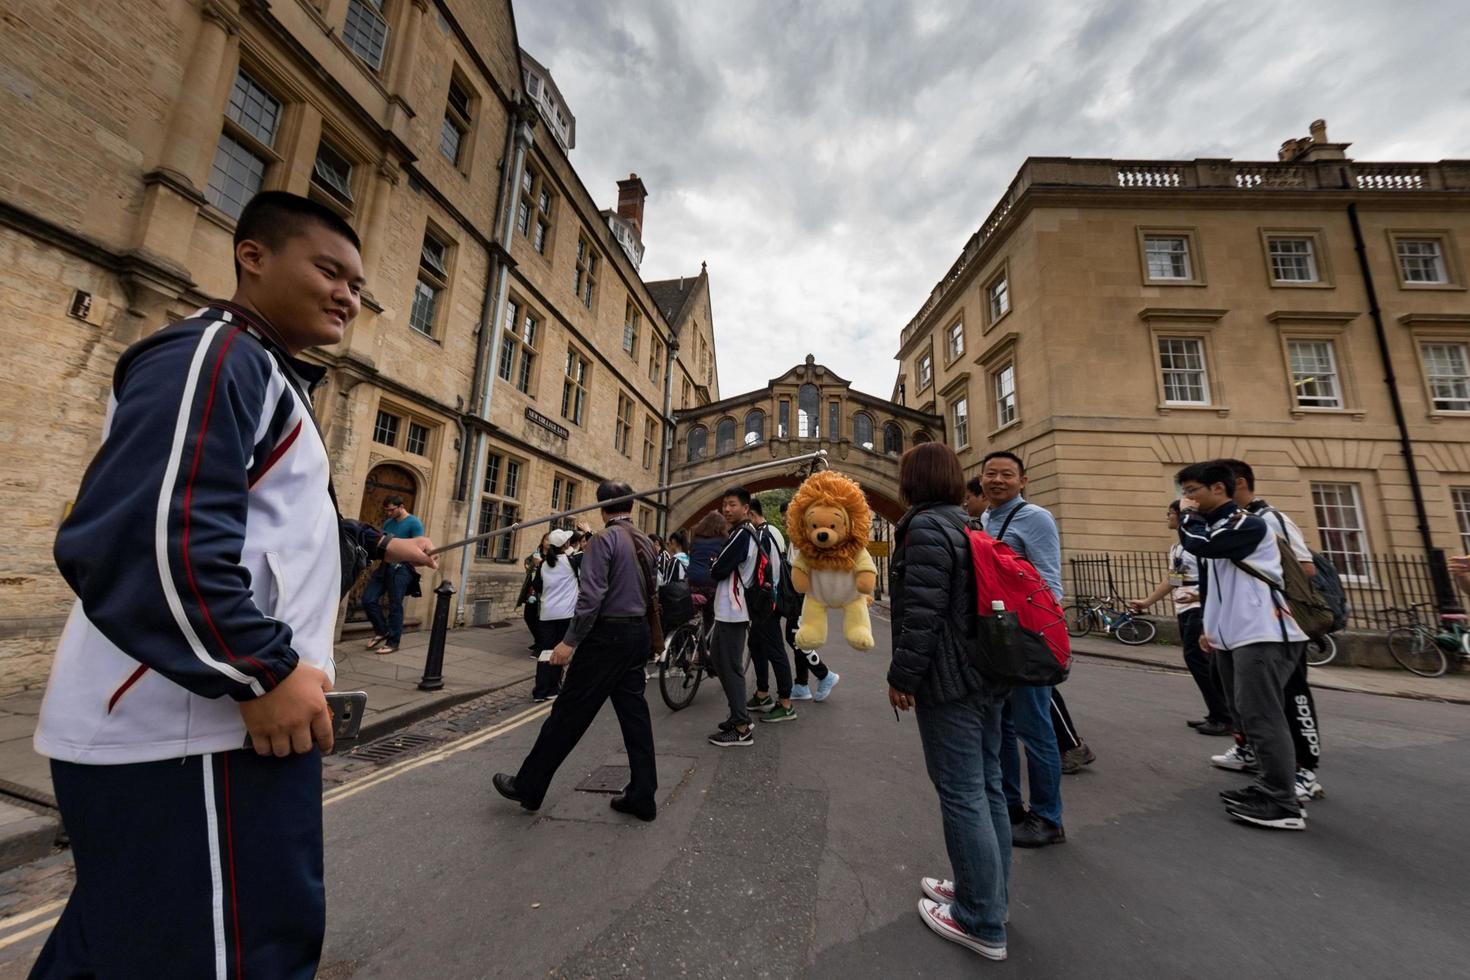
{"x": 1061, "y": 722}
{"x": 806, "y": 660}
{"x": 768, "y": 654}
{"x": 608, "y": 664}
{"x": 205, "y": 866}
{"x": 1301, "y": 713}
{"x": 549, "y": 633}
{"x": 1191, "y": 626}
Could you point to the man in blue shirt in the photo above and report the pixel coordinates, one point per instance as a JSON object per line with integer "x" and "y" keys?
{"x": 390, "y": 579}
{"x": 1032, "y": 533}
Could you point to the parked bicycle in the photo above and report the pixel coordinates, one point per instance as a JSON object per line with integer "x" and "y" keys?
{"x": 1109, "y": 616}
{"x": 1421, "y": 648}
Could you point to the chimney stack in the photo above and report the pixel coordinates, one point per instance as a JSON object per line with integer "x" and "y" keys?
{"x": 631, "y": 195}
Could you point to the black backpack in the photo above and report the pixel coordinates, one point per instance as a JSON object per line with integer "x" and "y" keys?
{"x": 675, "y": 598}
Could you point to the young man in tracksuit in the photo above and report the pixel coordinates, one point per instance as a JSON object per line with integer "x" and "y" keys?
{"x": 204, "y": 549}
{"x": 767, "y": 651}
{"x": 1249, "y": 630}
{"x": 732, "y": 574}
{"x": 1301, "y": 708}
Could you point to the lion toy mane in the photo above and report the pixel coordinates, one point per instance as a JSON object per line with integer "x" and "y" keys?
{"x": 829, "y": 521}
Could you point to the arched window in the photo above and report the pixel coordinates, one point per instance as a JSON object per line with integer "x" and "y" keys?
{"x": 725, "y": 437}
{"x": 922, "y": 436}
{"x": 755, "y": 427}
{"x": 892, "y": 439}
{"x": 808, "y": 412}
{"x": 862, "y": 430}
{"x": 697, "y": 438}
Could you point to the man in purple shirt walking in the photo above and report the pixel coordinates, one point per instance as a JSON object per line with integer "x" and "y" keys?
{"x": 609, "y": 638}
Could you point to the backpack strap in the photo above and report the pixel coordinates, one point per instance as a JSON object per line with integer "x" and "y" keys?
{"x": 1006, "y": 525}
{"x": 1275, "y": 591}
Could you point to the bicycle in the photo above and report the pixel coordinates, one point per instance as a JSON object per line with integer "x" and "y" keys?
{"x": 1086, "y": 615}
{"x": 1321, "y": 650}
{"x": 1420, "y": 649}
{"x": 685, "y": 662}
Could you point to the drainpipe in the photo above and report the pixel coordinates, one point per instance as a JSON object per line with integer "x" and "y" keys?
{"x": 666, "y": 460}
{"x": 1439, "y": 574}
{"x": 491, "y": 320}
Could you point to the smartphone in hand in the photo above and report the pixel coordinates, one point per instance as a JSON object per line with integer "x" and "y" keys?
{"x": 347, "y": 709}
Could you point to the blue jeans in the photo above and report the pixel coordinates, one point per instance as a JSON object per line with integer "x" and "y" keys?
{"x": 962, "y": 753}
{"x": 1028, "y": 715}
{"x": 392, "y": 581}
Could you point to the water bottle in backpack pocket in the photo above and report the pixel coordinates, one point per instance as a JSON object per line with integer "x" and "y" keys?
{"x": 1020, "y": 632}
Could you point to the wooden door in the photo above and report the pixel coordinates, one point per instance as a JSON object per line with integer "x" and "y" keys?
{"x": 383, "y": 481}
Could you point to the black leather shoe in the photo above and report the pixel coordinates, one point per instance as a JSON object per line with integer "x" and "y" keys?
{"x": 1037, "y": 831}
{"x": 1018, "y": 814}
{"x": 505, "y": 785}
{"x": 1215, "y": 728}
{"x": 1197, "y": 724}
{"x": 622, "y": 805}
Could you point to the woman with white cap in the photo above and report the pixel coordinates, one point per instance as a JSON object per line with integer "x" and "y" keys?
{"x": 556, "y": 584}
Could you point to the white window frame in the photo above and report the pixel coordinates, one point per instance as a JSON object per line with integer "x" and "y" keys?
{"x": 1165, "y": 371}
{"x": 1416, "y": 253}
{"x": 1335, "y": 547}
{"x": 998, "y": 297}
{"x": 1006, "y": 410}
{"x": 954, "y": 339}
{"x": 1151, "y": 252}
{"x": 924, "y": 369}
{"x": 1456, "y": 386}
{"x": 1300, "y": 376}
{"x": 430, "y": 285}
{"x": 959, "y": 416}
{"x": 1460, "y": 500}
{"x": 1281, "y": 257}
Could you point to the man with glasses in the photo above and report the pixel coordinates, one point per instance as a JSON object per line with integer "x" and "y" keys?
{"x": 390, "y": 579}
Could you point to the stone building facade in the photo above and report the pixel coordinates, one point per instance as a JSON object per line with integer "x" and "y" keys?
{"x": 488, "y": 377}
{"x": 1113, "y": 320}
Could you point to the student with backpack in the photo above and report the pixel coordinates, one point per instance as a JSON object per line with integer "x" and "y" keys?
{"x": 767, "y": 650}
{"x": 1032, "y": 533}
{"x": 1250, "y": 630}
{"x": 933, "y": 605}
{"x": 1323, "y": 590}
{"x": 732, "y": 573}
{"x": 556, "y": 584}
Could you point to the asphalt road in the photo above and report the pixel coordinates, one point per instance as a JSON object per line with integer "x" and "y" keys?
{"x": 801, "y": 855}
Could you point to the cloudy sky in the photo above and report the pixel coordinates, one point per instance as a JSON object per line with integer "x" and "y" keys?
{"x": 829, "y": 159}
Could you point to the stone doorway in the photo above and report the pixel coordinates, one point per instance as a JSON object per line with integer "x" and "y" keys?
{"x": 383, "y": 481}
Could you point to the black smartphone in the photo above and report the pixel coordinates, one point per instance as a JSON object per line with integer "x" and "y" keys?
{"x": 347, "y": 709}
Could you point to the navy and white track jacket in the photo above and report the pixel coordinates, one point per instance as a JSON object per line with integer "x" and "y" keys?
{"x": 1239, "y": 609}
{"x": 203, "y": 548}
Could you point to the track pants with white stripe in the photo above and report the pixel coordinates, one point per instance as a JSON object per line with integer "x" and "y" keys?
{"x": 207, "y": 866}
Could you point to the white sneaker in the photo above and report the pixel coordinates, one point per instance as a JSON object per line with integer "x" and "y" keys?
{"x": 936, "y": 917}
{"x": 940, "y": 890}
{"x": 1307, "y": 786}
{"x": 1240, "y": 758}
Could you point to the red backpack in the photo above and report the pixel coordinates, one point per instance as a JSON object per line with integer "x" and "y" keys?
{"x": 1025, "y": 644}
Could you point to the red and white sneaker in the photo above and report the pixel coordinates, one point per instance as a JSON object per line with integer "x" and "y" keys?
{"x": 936, "y": 917}
{"x": 939, "y": 889}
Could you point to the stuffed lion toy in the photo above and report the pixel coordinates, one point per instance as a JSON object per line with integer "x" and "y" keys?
{"x": 829, "y": 521}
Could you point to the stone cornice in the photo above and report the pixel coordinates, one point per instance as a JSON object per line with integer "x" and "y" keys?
{"x": 1175, "y": 314}
{"x": 1309, "y": 317}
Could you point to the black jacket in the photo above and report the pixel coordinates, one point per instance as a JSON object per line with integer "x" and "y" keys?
{"x": 932, "y": 597}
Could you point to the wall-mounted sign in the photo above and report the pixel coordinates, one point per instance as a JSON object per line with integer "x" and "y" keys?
{"x": 557, "y": 430}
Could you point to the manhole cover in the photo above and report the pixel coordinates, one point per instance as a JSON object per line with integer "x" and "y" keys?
{"x": 390, "y": 748}
{"x": 606, "y": 779}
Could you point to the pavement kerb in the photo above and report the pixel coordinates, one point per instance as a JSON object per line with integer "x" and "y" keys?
{"x": 1320, "y": 678}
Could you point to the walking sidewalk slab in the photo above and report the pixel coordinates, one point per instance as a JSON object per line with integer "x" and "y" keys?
{"x": 1453, "y": 688}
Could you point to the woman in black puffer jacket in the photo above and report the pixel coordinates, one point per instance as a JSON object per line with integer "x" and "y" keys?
{"x": 933, "y": 606}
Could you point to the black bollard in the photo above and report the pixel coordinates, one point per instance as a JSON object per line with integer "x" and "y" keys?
{"x": 433, "y": 678}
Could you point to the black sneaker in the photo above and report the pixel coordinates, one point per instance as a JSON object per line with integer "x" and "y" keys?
{"x": 1037, "y": 831}
{"x": 1216, "y": 728}
{"x": 1265, "y": 812}
{"x": 1196, "y": 724}
{"x": 733, "y": 737}
{"x": 1236, "y": 797}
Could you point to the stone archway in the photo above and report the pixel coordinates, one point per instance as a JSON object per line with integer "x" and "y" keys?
{"x": 383, "y": 481}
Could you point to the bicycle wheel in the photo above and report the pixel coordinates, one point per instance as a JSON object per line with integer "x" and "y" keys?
{"x": 1134, "y": 631}
{"x": 1321, "y": 650}
{"x": 1080, "y": 620}
{"x": 1416, "y": 651}
{"x": 680, "y": 672}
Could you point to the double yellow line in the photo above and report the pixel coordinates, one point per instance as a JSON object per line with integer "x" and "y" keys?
{"x": 334, "y": 795}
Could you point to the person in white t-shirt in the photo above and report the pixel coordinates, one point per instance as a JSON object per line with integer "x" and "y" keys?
{"x": 1181, "y": 585}
{"x": 556, "y": 584}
